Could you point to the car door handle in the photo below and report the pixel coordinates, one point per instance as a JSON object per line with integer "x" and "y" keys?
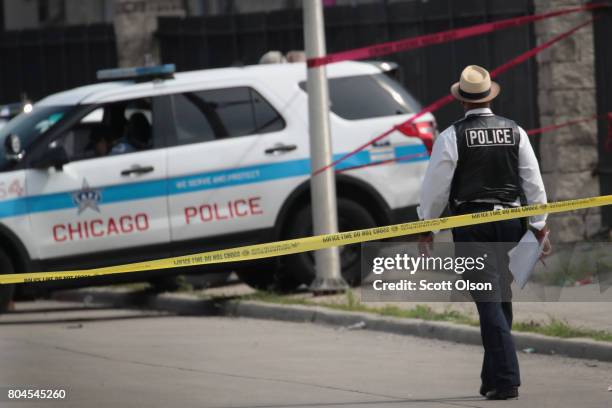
{"x": 280, "y": 148}
{"x": 137, "y": 170}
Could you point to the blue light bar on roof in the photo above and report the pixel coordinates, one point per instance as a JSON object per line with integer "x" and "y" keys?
{"x": 137, "y": 73}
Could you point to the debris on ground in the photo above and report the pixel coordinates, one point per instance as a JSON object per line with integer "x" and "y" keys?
{"x": 356, "y": 326}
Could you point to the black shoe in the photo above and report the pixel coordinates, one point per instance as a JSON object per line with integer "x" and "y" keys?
{"x": 508, "y": 393}
{"x": 484, "y": 389}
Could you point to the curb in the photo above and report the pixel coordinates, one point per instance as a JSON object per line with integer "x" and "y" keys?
{"x": 189, "y": 305}
{"x": 167, "y": 302}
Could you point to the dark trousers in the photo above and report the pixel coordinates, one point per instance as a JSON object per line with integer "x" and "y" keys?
{"x": 500, "y": 369}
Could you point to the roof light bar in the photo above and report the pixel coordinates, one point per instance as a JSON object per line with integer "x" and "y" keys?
{"x": 137, "y": 73}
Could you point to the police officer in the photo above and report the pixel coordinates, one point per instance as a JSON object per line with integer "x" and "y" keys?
{"x": 480, "y": 163}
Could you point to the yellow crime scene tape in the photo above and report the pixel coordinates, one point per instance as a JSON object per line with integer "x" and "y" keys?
{"x": 313, "y": 243}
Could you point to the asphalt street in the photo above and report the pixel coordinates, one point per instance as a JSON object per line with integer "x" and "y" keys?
{"x": 124, "y": 358}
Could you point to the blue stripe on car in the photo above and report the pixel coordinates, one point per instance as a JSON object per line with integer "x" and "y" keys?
{"x": 192, "y": 183}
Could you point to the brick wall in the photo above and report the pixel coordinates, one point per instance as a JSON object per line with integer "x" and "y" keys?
{"x": 566, "y": 75}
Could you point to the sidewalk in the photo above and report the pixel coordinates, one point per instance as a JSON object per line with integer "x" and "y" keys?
{"x": 591, "y": 315}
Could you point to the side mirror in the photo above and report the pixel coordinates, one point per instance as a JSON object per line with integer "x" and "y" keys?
{"x": 12, "y": 148}
{"x": 55, "y": 156}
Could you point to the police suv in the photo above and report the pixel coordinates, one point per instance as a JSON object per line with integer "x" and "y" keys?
{"x": 150, "y": 163}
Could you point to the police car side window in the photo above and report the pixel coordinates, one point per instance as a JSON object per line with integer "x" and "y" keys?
{"x": 111, "y": 129}
{"x": 191, "y": 124}
{"x": 221, "y": 113}
{"x": 267, "y": 119}
{"x": 77, "y": 140}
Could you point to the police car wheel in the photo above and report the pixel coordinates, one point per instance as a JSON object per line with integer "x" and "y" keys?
{"x": 351, "y": 216}
{"x": 268, "y": 278}
{"x": 257, "y": 279}
{"x": 163, "y": 284}
{"x": 6, "y": 291}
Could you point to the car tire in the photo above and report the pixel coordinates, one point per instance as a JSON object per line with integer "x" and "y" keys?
{"x": 162, "y": 284}
{"x": 6, "y": 291}
{"x": 208, "y": 280}
{"x": 258, "y": 279}
{"x": 269, "y": 280}
{"x": 351, "y": 216}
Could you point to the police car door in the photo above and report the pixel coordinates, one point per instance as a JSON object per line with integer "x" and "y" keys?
{"x": 112, "y": 193}
{"x": 234, "y": 160}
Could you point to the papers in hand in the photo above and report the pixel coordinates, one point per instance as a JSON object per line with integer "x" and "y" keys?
{"x": 524, "y": 256}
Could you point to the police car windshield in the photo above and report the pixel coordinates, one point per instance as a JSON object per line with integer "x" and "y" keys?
{"x": 29, "y": 126}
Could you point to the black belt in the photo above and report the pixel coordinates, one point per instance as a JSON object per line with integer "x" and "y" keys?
{"x": 474, "y": 207}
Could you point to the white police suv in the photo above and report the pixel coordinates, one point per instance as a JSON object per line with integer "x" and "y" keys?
{"x": 150, "y": 164}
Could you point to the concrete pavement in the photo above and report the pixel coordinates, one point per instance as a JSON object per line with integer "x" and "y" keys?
{"x": 108, "y": 358}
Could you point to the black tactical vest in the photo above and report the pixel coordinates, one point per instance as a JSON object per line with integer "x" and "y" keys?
{"x": 487, "y": 168}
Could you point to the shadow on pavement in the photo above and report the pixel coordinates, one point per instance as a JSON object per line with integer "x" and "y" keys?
{"x": 58, "y": 310}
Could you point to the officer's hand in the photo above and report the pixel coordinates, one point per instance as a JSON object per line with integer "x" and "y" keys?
{"x": 542, "y": 236}
{"x": 547, "y": 248}
{"x": 426, "y": 240}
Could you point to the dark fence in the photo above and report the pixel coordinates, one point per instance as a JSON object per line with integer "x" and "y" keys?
{"x": 43, "y": 61}
{"x": 603, "y": 69}
{"x": 218, "y": 41}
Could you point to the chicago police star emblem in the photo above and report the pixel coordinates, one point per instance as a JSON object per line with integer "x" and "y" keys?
{"x": 87, "y": 198}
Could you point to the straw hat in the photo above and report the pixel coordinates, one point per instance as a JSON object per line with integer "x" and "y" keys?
{"x": 475, "y": 86}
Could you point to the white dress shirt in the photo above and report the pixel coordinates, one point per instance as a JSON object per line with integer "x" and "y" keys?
{"x": 437, "y": 183}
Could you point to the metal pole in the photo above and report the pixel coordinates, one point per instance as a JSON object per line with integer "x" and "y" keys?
{"x": 322, "y": 186}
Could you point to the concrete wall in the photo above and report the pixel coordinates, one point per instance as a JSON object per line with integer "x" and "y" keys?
{"x": 566, "y": 75}
{"x": 135, "y": 23}
{"x": 254, "y": 6}
{"x": 20, "y": 14}
{"x": 249, "y": 6}
{"x": 24, "y": 14}
{"x": 86, "y": 12}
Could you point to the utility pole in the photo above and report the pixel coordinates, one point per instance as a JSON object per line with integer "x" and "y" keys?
{"x": 323, "y": 185}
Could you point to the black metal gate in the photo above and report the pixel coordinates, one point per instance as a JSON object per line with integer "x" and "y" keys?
{"x": 43, "y": 61}
{"x": 218, "y": 41}
{"x": 603, "y": 69}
